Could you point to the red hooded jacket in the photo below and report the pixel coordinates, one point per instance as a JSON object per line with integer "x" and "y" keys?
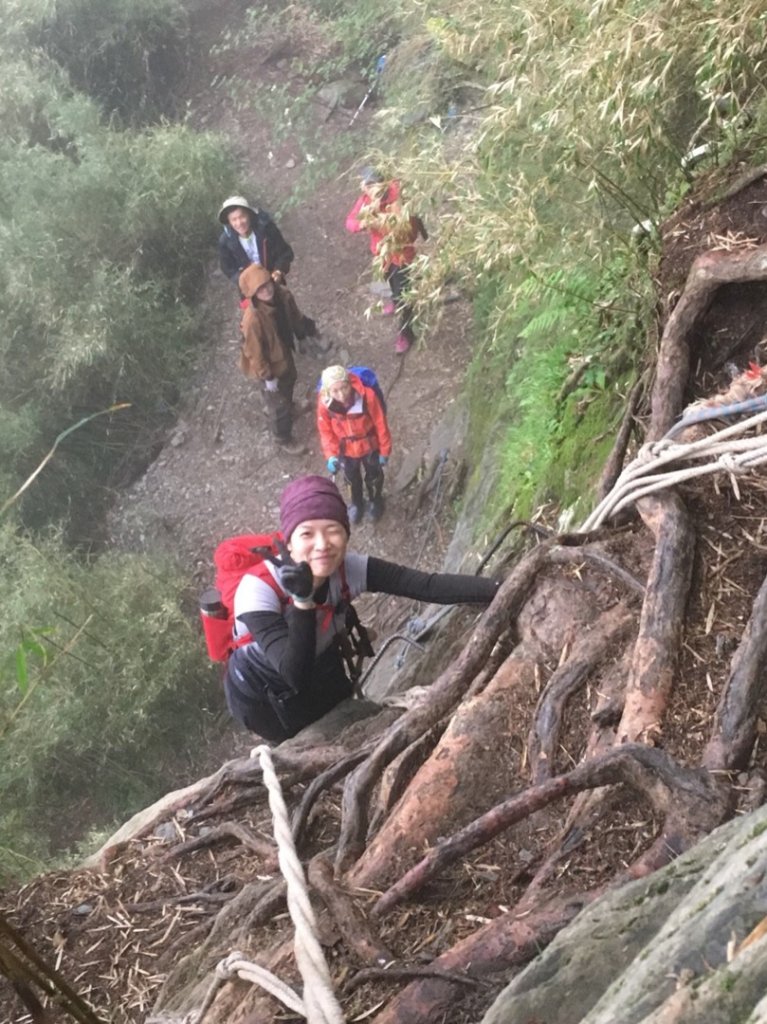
{"x": 386, "y": 203}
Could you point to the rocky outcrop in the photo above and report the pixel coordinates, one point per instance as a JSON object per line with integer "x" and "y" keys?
{"x": 685, "y": 945}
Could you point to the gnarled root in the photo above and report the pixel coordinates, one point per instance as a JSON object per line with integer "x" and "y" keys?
{"x": 667, "y": 786}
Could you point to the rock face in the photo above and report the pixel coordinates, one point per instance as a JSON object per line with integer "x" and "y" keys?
{"x": 656, "y": 951}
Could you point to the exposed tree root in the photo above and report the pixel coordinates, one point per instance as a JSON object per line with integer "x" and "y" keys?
{"x": 508, "y": 941}
{"x": 227, "y": 830}
{"x": 608, "y": 633}
{"x": 318, "y": 785}
{"x": 708, "y": 273}
{"x": 598, "y": 560}
{"x": 351, "y": 922}
{"x": 394, "y": 973}
{"x": 399, "y": 774}
{"x": 652, "y": 773}
{"x": 735, "y": 723}
{"x": 446, "y": 692}
{"x": 444, "y": 793}
{"x": 660, "y": 627}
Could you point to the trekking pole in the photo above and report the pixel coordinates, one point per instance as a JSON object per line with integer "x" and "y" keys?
{"x": 380, "y": 63}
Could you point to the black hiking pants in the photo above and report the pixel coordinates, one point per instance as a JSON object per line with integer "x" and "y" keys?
{"x": 278, "y": 405}
{"x": 258, "y": 698}
{"x": 399, "y": 282}
{"x": 374, "y": 477}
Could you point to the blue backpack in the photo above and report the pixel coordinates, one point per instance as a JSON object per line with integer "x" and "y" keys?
{"x": 369, "y": 379}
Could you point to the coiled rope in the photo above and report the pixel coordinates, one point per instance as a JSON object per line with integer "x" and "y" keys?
{"x": 726, "y": 451}
{"x": 319, "y": 1004}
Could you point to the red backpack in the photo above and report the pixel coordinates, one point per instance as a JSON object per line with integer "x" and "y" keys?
{"x": 233, "y": 558}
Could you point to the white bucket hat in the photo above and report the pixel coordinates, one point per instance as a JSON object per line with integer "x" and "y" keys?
{"x": 231, "y": 203}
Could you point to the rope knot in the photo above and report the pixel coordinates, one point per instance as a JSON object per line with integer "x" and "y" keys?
{"x": 226, "y": 968}
{"x": 731, "y": 464}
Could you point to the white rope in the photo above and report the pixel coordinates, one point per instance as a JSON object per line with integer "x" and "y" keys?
{"x": 321, "y": 1005}
{"x": 235, "y": 965}
{"x": 730, "y": 454}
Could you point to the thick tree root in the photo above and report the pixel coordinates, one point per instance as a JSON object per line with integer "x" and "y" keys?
{"x": 354, "y": 927}
{"x": 508, "y": 941}
{"x": 708, "y": 273}
{"x": 444, "y": 792}
{"x": 400, "y": 773}
{"x": 735, "y": 722}
{"x": 660, "y": 627}
{"x": 445, "y": 694}
{"x": 652, "y": 773}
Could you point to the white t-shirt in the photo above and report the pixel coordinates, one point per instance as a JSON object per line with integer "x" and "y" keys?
{"x": 255, "y": 595}
{"x": 250, "y": 245}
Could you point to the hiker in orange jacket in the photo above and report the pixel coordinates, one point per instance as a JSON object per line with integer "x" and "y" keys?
{"x": 392, "y": 241}
{"x": 354, "y": 436}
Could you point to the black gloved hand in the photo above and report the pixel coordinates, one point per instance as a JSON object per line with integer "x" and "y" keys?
{"x": 310, "y": 328}
{"x": 295, "y": 578}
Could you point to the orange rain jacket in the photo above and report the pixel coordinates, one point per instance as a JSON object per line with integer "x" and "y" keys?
{"x": 354, "y": 434}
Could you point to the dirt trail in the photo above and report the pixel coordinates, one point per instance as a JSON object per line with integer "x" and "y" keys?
{"x": 219, "y": 472}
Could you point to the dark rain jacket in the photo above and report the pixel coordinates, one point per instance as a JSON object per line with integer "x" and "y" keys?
{"x": 274, "y": 252}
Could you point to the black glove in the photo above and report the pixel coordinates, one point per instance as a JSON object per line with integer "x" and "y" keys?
{"x": 295, "y": 578}
{"x": 310, "y": 328}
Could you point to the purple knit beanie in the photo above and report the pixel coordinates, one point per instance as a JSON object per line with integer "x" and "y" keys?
{"x": 311, "y": 497}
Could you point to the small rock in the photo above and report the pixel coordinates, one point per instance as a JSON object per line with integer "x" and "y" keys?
{"x": 290, "y": 163}
{"x": 166, "y": 831}
{"x": 178, "y": 438}
{"x": 83, "y": 909}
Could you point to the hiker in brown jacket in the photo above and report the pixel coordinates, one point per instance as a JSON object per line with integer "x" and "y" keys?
{"x": 270, "y": 323}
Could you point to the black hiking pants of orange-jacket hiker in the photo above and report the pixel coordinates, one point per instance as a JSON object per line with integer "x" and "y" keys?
{"x": 258, "y": 698}
{"x": 374, "y": 477}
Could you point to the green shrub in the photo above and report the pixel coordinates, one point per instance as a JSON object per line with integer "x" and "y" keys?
{"x": 104, "y": 684}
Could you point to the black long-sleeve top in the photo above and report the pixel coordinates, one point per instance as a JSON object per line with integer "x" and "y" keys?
{"x": 287, "y": 640}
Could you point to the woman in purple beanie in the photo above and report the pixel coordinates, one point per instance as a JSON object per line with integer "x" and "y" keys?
{"x": 292, "y": 671}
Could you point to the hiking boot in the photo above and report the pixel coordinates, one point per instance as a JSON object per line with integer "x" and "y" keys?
{"x": 374, "y": 510}
{"x": 291, "y": 447}
{"x": 355, "y": 514}
{"x": 402, "y": 344}
{"x": 389, "y": 308}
